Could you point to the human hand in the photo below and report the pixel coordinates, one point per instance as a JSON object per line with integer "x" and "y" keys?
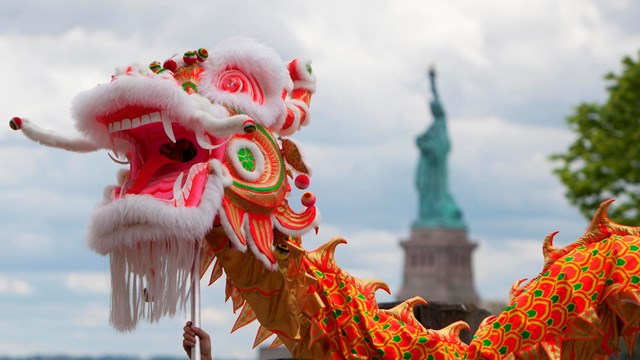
{"x": 189, "y": 340}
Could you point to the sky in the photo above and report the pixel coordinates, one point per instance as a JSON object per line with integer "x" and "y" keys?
{"x": 509, "y": 73}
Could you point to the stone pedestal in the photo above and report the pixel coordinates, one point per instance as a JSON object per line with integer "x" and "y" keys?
{"x": 437, "y": 266}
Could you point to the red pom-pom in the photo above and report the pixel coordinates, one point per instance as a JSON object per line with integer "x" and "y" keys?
{"x": 203, "y": 54}
{"x": 249, "y": 126}
{"x": 170, "y": 65}
{"x": 308, "y": 199}
{"x": 302, "y": 181}
{"x": 15, "y": 123}
{"x": 190, "y": 57}
{"x": 155, "y": 66}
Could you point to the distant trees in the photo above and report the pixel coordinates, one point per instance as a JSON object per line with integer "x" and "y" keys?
{"x": 604, "y": 160}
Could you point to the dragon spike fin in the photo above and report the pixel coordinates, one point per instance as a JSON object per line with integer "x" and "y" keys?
{"x": 601, "y": 226}
{"x": 228, "y": 290}
{"x": 548, "y": 250}
{"x": 247, "y": 315}
{"x": 452, "y": 332}
{"x": 371, "y": 286}
{"x": 237, "y": 300}
{"x": 585, "y": 326}
{"x": 316, "y": 331}
{"x": 276, "y": 342}
{"x": 553, "y": 349}
{"x": 600, "y": 218}
{"x": 615, "y": 304}
{"x": 216, "y": 273}
{"x": 630, "y": 341}
{"x": 262, "y": 335}
{"x": 516, "y": 289}
{"x": 206, "y": 258}
{"x": 415, "y": 301}
{"x": 324, "y": 254}
{"x": 404, "y": 310}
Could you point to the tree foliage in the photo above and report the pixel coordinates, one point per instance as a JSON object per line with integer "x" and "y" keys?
{"x": 604, "y": 160}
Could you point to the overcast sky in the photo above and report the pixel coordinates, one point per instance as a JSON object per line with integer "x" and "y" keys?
{"x": 509, "y": 72}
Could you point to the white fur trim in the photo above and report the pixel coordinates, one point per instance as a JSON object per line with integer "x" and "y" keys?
{"x": 231, "y": 234}
{"x": 295, "y": 122}
{"x": 151, "y": 91}
{"x": 142, "y": 218}
{"x": 219, "y": 169}
{"x": 151, "y": 245}
{"x": 133, "y": 69}
{"x": 306, "y": 81}
{"x": 252, "y": 58}
{"x": 232, "y": 153}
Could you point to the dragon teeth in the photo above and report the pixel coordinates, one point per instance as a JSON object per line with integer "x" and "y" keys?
{"x": 126, "y": 124}
{"x": 204, "y": 141}
{"x": 166, "y": 124}
{"x": 177, "y": 190}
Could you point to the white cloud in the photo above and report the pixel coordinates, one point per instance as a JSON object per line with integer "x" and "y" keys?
{"x": 59, "y": 68}
{"x": 22, "y": 162}
{"x": 29, "y": 243}
{"x": 10, "y": 286}
{"x": 498, "y": 266}
{"x": 370, "y": 254}
{"x": 91, "y": 315}
{"x": 507, "y": 163}
{"x": 94, "y": 283}
{"x": 502, "y": 64}
{"x": 215, "y": 316}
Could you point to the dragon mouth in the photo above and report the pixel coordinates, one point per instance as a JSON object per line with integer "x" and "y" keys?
{"x": 166, "y": 159}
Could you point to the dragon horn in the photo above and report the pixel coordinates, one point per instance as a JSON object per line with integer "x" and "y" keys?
{"x": 304, "y": 85}
{"x": 48, "y": 138}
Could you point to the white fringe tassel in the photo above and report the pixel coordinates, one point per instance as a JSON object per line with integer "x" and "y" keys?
{"x": 150, "y": 280}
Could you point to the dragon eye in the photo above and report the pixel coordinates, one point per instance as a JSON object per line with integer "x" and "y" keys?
{"x": 235, "y": 81}
{"x": 232, "y": 84}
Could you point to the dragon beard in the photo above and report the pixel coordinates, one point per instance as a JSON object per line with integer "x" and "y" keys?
{"x": 152, "y": 248}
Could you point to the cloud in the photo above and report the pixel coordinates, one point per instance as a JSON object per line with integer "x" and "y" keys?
{"x": 61, "y": 67}
{"x": 93, "y": 283}
{"x": 9, "y": 286}
{"x": 509, "y": 72}
{"x": 497, "y": 267}
{"x": 214, "y": 316}
{"x": 370, "y": 254}
{"x": 91, "y": 315}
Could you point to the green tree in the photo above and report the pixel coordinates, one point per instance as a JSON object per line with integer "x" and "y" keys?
{"x": 604, "y": 160}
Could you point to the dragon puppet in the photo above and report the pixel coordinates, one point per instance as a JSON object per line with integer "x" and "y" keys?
{"x": 206, "y": 139}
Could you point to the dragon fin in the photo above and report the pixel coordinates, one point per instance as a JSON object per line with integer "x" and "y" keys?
{"x": 262, "y": 335}
{"x": 276, "y": 342}
{"x": 216, "y": 273}
{"x": 247, "y": 315}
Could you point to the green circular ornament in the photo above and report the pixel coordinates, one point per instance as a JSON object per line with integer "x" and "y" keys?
{"x": 246, "y": 159}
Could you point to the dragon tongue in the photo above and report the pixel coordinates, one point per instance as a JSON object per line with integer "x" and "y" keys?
{"x": 147, "y": 171}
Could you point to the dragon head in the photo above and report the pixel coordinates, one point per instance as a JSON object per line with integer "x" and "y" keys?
{"x": 170, "y": 124}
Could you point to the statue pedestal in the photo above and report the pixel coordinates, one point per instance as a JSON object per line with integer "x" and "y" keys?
{"x": 437, "y": 266}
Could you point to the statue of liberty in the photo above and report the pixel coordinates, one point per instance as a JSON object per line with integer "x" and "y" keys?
{"x": 438, "y": 209}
